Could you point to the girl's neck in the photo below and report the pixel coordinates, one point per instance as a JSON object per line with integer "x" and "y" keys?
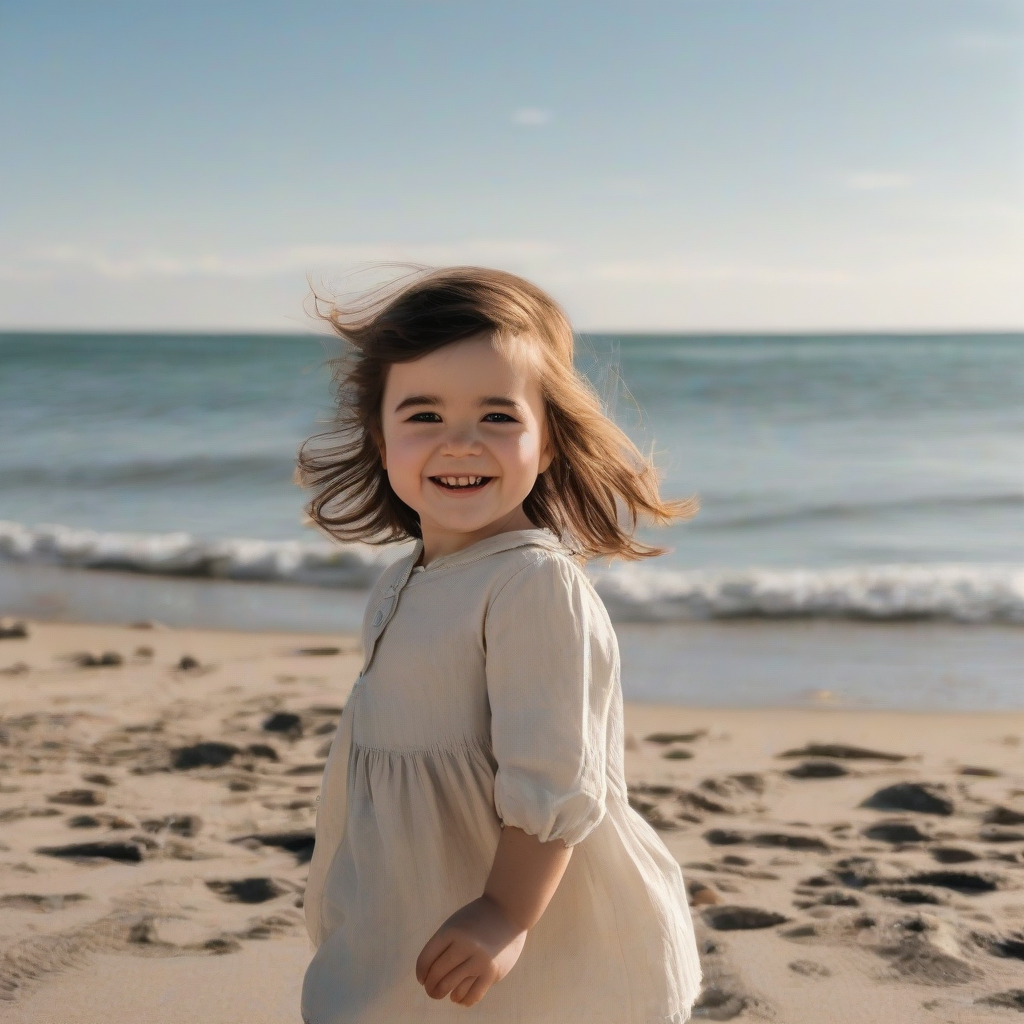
{"x": 438, "y": 542}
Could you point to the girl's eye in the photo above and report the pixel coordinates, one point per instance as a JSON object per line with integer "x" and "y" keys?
{"x": 498, "y": 417}
{"x": 424, "y": 417}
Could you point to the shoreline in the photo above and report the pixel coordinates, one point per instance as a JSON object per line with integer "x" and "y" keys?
{"x": 197, "y": 779}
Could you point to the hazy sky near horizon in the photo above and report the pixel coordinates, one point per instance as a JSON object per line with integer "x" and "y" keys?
{"x": 689, "y": 165}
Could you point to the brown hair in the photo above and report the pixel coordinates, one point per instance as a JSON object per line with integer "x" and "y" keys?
{"x": 598, "y": 486}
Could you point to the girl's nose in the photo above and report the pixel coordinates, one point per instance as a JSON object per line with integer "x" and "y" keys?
{"x": 462, "y": 440}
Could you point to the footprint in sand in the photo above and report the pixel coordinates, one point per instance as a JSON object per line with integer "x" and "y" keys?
{"x": 809, "y": 969}
{"x": 40, "y": 904}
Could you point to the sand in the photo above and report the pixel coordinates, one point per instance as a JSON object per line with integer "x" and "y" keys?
{"x": 190, "y": 762}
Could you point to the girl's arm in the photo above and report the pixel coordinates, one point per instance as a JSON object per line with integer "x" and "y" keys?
{"x": 479, "y": 944}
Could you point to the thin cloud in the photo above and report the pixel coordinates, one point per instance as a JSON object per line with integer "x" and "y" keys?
{"x": 876, "y": 181}
{"x": 696, "y": 272}
{"x": 275, "y": 262}
{"x": 532, "y": 117}
{"x": 984, "y": 43}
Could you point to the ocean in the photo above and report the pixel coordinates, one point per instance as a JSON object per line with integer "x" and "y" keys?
{"x": 850, "y": 485}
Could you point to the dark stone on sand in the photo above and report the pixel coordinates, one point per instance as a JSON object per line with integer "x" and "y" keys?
{"x": 248, "y": 890}
{"x": 1011, "y": 946}
{"x": 108, "y": 659}
{"x": 984, "y": 773}
{"x": 907, "y": 894}
{"x": 681, "y": 754}
{"x": 790, "y": 842}
{"x": 264, "y": 750}
{"x": 128, "y": 853}
{"x": 84, "y": 821}
{"x": 186, "y": 663}
{"x": 952, "y": 855}
{"x": 837, "y": 898}
{"x": 319, "y": 652}
{"x": 920, "y": 797}
{"x": 300, "y": 842}
{"x": 15, "y": 631}
{"x": 98, "y": 779}
{"x": 843, "y": 751}
{"x": 895, "y": 832}
{"x": 210, "y": 754}
{"x": 733, "y": 918}
{"x": 724, "y": 837}
{"x": 185, "y": 825}
{"x": 1003, "y": 816}
{"x": 1011, "y": 999}
{"x": 284, "y": 722}
{"x": 965, "y": 882}
{"x": 995, "y": 834}
{"x": 675, "y": 737}
{"x": 78, "y": 798}
{"x": 817, "y": 770}
{"x": 222, "y": 944}
{"x": 306, "y": 769}
{"x": 716, "y": 1003}
{"x": 703, "y": 803}
{"x": 817, "y": 881}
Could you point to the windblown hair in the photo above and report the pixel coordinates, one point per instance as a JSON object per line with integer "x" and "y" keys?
{"x": 598, "y": 487}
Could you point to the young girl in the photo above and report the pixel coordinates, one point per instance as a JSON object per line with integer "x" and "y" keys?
{"x": 474, "y": 843}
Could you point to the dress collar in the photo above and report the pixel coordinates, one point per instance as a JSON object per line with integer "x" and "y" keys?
{"x": 536, "y": 537}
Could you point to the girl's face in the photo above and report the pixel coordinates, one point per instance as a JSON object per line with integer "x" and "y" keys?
{"x": 464, "y": 441}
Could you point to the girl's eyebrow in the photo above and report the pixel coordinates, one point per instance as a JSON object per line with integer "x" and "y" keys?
{"x": 417, "y": 400}
{"x": 493, "y": 401}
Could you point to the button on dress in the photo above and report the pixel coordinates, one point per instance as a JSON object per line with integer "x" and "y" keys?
{"x": 490, "y": 695}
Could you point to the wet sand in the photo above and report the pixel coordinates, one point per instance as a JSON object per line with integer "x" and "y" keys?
{"x": 157, "y": 794}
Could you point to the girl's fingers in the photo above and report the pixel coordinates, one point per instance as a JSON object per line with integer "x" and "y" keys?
{"x": 476, "y": 991}
{"x": 462, "y": 989}
{"x": 435, "y": 946}
{"x": 453, "y": 979}
{"x": 446, "y": 969}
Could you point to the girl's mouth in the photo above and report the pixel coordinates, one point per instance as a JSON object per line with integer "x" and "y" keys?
{"x": 461, "y": 483}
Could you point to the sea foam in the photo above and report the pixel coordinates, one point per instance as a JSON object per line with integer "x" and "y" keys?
{"x": 632, "y": 593}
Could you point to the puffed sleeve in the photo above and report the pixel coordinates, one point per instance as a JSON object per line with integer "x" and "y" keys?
{"x": 552, "y": 669}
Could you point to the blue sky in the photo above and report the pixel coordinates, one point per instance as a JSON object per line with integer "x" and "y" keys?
{"x": 714, "y": 164}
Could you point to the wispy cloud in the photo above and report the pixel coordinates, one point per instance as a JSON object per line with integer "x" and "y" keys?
{"x": 532, "y": 117}
{"x": 876, "y": 181}
{"x": 672, "y": 271}
{"x": 983, "y": 43}
{"x": 58, "y": 260}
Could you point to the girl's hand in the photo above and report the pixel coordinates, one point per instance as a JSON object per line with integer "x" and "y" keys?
{"x": 473, "y": 949}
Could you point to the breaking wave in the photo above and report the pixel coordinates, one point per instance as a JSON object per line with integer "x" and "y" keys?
{"x": 957, "y": 593}
{"x": 182, "y": 554}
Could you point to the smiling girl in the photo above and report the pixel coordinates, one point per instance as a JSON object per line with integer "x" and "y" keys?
{"x": 474, "y": 842}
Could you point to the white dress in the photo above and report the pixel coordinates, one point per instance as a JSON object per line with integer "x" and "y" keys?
{"x": 490, "y": 694}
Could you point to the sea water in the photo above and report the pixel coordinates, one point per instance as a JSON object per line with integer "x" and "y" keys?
{"x": 876, "y": 478}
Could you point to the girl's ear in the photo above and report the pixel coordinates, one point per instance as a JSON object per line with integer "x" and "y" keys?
{"x": 547, "y": 452}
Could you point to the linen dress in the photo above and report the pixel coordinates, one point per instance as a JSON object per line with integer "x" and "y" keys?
{"x": 490, "y": 694}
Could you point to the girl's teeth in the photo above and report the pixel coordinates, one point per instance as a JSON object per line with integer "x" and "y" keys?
{"x": 461, "y": 481}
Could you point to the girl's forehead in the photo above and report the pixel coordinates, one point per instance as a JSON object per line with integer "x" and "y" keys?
{"x": 473, "y": 359}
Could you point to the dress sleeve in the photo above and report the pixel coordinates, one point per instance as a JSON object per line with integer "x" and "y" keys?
{"x": 551, "y": 674}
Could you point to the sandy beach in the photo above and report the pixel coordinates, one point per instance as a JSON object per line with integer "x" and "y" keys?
{"x": 157, "y": 793}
